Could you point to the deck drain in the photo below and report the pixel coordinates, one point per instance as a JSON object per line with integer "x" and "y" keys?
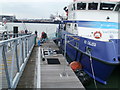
{"x": 53, "y": 61}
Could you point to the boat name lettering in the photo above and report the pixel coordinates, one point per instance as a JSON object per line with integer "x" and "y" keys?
{"x": 90, "y": 43}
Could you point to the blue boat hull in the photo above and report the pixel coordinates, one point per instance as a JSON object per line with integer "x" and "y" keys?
{"x": 105, "y": 55}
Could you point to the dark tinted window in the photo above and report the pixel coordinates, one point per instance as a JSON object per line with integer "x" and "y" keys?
{"x": 81, "y": 6}
{"x": 92, "y": 6}
{"x": 117, "y": 7}
{"x": 68, "y": 25}
{"x": 107, "y": 6}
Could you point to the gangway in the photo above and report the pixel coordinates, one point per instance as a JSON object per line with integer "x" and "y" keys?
{"x": 13, "y": 58}
{"x": 18, "y": 55}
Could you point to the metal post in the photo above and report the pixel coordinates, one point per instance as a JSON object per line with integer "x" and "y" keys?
{"x": 24, "y": 50}
{"x": 22, "y": 53}
{"x": 6, "y": 67}
{"x": 25, "y": 47}
{"x": 11, "y": 76}
{"x": 65, "y": 46}
{"x": 13, "y": 62}
{"x": 64, "y": 73}
{"x": 17, "y": 60}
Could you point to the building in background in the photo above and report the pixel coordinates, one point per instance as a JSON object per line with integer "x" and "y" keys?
{"x": 9, "y": 18}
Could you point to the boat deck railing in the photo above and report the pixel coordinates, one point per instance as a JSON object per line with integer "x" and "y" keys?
{"x": 13, "y": 58}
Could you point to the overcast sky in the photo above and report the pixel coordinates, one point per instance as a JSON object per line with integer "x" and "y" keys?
{"x": 33, "y": 8}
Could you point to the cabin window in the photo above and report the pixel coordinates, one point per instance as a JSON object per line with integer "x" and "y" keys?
{"x": 92, "y": 6}
{"x": 68, "y": 25}
{"x": 75, "y": 27}
{"x": 117, "y": 7}
{"x": 107, "y": 6}
{"x": 81, "y": 6}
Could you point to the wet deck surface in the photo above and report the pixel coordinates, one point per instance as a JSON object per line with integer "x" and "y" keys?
{"x": 57, "y": 75}
{"x": 52, "y": 75}
{"x": 28, "y": 78}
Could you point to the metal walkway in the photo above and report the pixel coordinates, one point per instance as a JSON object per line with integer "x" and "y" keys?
{"x": 14, "y": 55}
{"x": 48, "y": 75}
{"x": 38, "y": 66}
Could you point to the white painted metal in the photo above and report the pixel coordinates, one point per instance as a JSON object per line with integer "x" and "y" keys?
{"x": 39, "y": 69}
{"x": 93, "y": 15}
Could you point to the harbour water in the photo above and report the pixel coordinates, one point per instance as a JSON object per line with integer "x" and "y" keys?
{"x": 50, "y": 29}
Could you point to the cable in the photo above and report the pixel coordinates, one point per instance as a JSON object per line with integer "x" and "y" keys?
{"x": 92, "y": 70}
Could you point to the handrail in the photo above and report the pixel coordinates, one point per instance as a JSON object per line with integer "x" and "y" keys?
{"x": 15, "y": 53}
{"x": 12, "y": 35}
{"x": 8, "y": 40}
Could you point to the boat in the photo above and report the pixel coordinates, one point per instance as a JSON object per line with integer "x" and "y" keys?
{"x": 2, "y": 30}
{"x": 89, "y": 35}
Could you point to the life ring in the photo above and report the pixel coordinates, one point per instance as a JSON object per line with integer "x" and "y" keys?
{"x": 97, "y": 34}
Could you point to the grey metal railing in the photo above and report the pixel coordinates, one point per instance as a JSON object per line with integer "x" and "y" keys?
{"x": 11, "y": 35}
{"x": 14, "y": 54}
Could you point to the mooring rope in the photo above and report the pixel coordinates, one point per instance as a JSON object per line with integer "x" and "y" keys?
{"x": 92, "y": 71}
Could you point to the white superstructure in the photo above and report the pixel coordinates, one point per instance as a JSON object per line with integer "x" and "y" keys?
{"x": 94, "y": 19}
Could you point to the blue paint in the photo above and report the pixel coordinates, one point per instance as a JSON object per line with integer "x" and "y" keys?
{"x": 105, "y": 55}
{"x": 96, "y": 24}
{"x": 39, "y": 43}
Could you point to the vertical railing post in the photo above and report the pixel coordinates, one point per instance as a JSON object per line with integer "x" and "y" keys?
{"x": 29, "y": 39}
{"x": 16, "y": 53}
{"x": 14, "y": 71}
{"x": 21, "y": 47}
{"x": 25, "y": 47}
{"x": 13, "y": 62}
{"x": 6, "y": 67}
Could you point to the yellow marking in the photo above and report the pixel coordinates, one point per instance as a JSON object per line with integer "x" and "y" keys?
{"x": 4, "y": 65}
{"x": 75, "y": 38}
{"x": 0, "y": 72}
{"x": 9, "y": 60}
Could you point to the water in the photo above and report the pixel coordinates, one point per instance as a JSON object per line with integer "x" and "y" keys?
{"x": 50, "y": 29}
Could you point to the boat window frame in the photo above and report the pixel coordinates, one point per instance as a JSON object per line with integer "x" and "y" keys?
{"x": 116, "y": 7}
{"x": 74, "y": 6}
{"x": 75, "y": 26}
{"x": 100, "y": 8}
{"x": 68, "y": 25}
{"x": 81, "y": 3}
{"x": 96, "y": 7}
